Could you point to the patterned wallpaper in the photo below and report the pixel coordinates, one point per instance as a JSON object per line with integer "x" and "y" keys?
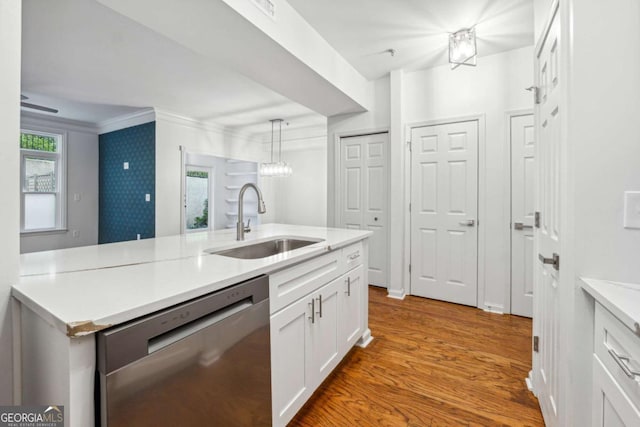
{"x": 123, "y": 211}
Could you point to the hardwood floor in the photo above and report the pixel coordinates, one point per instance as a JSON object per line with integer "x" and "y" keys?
{"x": 431, "y": 363}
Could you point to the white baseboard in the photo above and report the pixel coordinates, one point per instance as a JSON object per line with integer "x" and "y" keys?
{"x": 529, "y": 382}
{"x": 365, "y": 339}
{"x": 493, "y": 308}
{"x": 397, "y": 294}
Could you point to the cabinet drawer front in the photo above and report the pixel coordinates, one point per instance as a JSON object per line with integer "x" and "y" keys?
{"x": 611, "y": 405}
{"x": 353, "y": 255}
{"x": 289, "y": 285}
{"x": 619, "y": 350}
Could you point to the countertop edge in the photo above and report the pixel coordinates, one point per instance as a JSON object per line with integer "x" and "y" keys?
{"x": 78, "y": 328}
{"x": 599, "y": 290}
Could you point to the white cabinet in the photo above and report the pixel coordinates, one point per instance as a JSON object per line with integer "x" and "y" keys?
{"x": 290, "y": 357}
{"x": 611, "y": 405}
{"x": 350, "y": 322}
{"x": 616, "y": 363}
{"x": 305, "y": 348}
{"x": 309, "y": 337}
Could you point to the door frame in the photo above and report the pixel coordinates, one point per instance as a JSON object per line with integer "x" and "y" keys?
{"x": 337, "y": 178}
{"x": 482, "y": 188}
{"x": 509, "y": 115}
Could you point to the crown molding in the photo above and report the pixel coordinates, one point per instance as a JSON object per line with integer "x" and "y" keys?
{"x": 126, "y": 121}
{"x": 208, "y": 126}
{"x": 28, "y": 118}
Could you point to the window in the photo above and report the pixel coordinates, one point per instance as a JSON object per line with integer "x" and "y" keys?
{"x": 197, "y": 198}
{"x": 42, "y": 183}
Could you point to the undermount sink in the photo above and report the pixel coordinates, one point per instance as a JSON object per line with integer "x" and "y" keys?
{"x": 264, "y": 249}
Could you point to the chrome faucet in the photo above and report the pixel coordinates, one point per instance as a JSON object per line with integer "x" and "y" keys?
{"x": 261, "y": 209}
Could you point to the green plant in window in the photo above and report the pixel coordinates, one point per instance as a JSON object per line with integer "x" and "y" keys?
{"x": 202, "y": 221}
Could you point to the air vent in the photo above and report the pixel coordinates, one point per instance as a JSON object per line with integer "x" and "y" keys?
{"x": 266, "y": 6}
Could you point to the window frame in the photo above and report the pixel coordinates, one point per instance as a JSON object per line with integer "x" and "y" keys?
{"x": 60, "y": 158}
{"x": 210, "y": 171}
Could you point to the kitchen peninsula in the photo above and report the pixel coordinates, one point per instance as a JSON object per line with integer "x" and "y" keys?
{"x": 65, "y": 297}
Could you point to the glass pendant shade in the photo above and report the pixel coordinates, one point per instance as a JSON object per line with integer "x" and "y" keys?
{"x": 279, "y": 168}
{"x": 462, "y": 48}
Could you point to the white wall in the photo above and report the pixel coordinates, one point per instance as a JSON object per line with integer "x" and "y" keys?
{"x": 10, "y": 45}
{"x": 302, "y": 198}
{"x": 82, "y": 179}
{"x": 173, "y": 131}
{"x": 493, "y": 88}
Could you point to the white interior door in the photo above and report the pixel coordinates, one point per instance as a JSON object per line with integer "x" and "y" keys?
{"x": 364, "y": 194}
{"x": 444, "y": 212}
{"x": 522, "y": 213}
{"x": 547, "y": 241}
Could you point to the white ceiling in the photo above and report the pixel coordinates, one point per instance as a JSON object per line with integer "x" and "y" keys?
{"x": 362, "y": 30}
{"x": 94, "y": 64}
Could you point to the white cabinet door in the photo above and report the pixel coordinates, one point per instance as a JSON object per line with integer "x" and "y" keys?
{"x": 444, "y": 209}
{"x": 324, "y": 331}
{"x": 522, "y": 213}
{"x": 291, "y": 382}
{"x": 350, "y": 310}
{"x": 611, "y": 405}
{"x": 364, "y": 195}
{"x": 549, "y": 162}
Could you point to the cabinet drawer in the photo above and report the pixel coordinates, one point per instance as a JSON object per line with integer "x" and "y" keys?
{"x": 288, "y": 285}
{"x": 352, "y": 255}
{"x": 611, "y": 406}
{"x": 619, "y": 350}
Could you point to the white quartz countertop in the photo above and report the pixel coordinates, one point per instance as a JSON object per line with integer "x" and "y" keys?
{"x": 84, "y": 290}
{"x": 621, "y": 299}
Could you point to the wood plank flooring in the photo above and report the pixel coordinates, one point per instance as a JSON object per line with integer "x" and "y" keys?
{"x": 431, "y": 364}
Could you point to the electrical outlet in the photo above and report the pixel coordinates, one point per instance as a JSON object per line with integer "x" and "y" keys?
{"x": 632, "y": 209}
{"x": 76, "y": 197}
{"x": 126, "y": 165}
{"x": 75, "y": 233}
{"x": 147, "y": 197}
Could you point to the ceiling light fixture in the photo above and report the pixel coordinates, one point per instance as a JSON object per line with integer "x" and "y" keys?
{"x": 279, "y": 168}
{"x": 462, "y": 48}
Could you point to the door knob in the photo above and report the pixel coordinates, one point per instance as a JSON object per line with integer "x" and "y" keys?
{"x": 375, "y": 218}
{"x": 468, "y": 222}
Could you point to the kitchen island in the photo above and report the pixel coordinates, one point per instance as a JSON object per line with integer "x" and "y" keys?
{"x": 64, "y": 297}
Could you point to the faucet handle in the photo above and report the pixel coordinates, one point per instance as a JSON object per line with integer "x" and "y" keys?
{"x": 247, "y": 228}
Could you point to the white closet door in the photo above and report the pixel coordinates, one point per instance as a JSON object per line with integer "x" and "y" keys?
{"x": 548, "y": 236}
{"x": 522, "y": 214}
{"x": 365, "y": 196}
{"x": 444, "y": 213}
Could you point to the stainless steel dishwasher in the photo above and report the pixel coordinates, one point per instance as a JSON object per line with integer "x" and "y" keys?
{"x": 205, "y": 362}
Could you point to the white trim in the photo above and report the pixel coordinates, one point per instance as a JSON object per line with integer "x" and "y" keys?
{"x": 555, "y": 6}
{"x": 60, "y": 157}
{"x": 494, "y": 308}
{"x": 29, "y": 119}
{"x": 126, "y": 121}
{"x": 482, "y": 190}
{"x": 509, "y": 116}
{"x": 365, "y": 339}
{"x": 397, "y": 294}
{"x": 202, "y": 125}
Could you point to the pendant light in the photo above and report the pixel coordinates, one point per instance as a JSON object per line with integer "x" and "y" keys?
{"x": 279, "y": 168}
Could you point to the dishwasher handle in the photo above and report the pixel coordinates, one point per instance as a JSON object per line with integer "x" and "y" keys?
{"x": 122, "y": 345}
{"x": 173, "y": 336}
